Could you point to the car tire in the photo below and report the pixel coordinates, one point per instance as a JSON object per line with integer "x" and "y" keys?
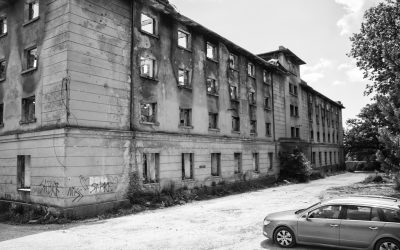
{"x": 387, "y": 244}
{"x": 284, "y": 237}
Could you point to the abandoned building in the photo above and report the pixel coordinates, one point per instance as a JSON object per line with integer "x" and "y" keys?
{"x": 92, "y": 90}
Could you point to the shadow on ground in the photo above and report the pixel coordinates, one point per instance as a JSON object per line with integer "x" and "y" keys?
{"x": 269, "y": 245}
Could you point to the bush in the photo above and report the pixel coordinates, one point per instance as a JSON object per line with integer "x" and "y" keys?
{"x": 397, "y": 182}
{"x": 295, "y": 167}
{"x": 374, "y": 178}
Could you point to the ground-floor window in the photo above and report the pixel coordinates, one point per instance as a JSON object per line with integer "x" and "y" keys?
{"x": 256, "y": 162}
{"x": 237, "y": 162}
{"x": 187, "y": 166}
{"x": 216, "y": 164}
{"x": 24, "y": 172}
{"x": 326, "y": 158}
{"x": 151, "y": 168}
{"x": 320, "y": 158}
{"x": 271, "y": 160}
{"x": 313, "y": 158}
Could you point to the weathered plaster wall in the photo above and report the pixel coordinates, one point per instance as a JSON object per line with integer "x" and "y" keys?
{"x": 99, "y": 63}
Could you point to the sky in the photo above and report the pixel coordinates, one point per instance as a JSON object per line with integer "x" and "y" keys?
{"x": 317, "y": 31}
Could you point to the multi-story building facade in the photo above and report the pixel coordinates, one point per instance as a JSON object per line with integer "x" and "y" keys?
{"x": 91, "y": 91}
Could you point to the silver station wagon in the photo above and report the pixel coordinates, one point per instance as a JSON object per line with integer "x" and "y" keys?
{"x": 356, "y": 222}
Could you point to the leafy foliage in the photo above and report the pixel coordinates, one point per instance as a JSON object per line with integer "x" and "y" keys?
{"x": 295, "y": 166}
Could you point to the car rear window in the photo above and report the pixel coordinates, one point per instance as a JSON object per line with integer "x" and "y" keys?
{"x": 391, "y": 215}
{"x": 358, "y": 213}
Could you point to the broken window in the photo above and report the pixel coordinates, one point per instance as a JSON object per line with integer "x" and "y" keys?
{"x": 31, "y": 58}
{"x": 318, "y": 137}
{"x": 233, "y": 92}
{"x": 185, "y": 117}
{"x": 271, "y": 160}
{"x": 151, "y": 168}
{"x": 148, "y": 112}
{"x": 28, "y": 110}
{"x": 268, "y": 129}
{"x": 3, "y": 25}
{"x": 233, "y": 61}
{"x": 212, "y": 86}
{"x": 33, "y": 10}
{"x": 187, "y": 166}
{"x": 216, "y": 164}
{"x": 183, "y": 39}
{"x": 24, "y": 172}
{"x": 213, "y": 120}
{"x": 183, "y": 78}
{"x": 252, "y": 97}
{"x": 212, "y": 52}
{"x": 148, "y": 24}
{"x": 267, "y": 103}
{"x": 235, "y": 124}
{"x": 251, "y": 70}
{"x": 256, "y": 162}
{"x": 3, "y": 64}
{"x": 253, "y": 119}
{"x": 147, "y": 67}
{"x": 237, "y": 163}
{"x": 1, "y": 114}
{"x": 266, "y": 77}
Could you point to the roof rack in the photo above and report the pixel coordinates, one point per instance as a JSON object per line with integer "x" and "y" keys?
{"x": 376, "y": 197}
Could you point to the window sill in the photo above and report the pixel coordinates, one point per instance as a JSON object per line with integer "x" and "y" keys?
{"x": 185, "y": 87}
{"x": 292, "y": 94}
{"x": 27, "y": 122}
{"x": 150, "y": 123}
{"x": 3, "y": 35}
{"x": 235, "y": 132}
{"x": 189, "y": 180}
{"x": 150, "y": 34}
{"x": 185, "y": 49}
{"x": 31, "y": 21}
{"x": 216, "y": 177}
{"x": 28, "y": 71}
{"x": 214, "y": 130}
{"x": 149, "y": 78}
{"x": 185, "y": 127}
{"x": 213, "y": 94}
{"x": 212, "y": 60}
{"x": 27, "y": 190}
{"x": 253, "y": 77}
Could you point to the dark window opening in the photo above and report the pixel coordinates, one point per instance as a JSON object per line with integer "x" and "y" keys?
{"x": 212, "y": 86}
{"x": 235, "y": 124}
{"x": 256, "y": 162}
{"x": 28, "y": 110}
{"x": 148, "y": 112}
{"x": 237, "y": 163}
{"x": 271, "y": 160}
{"x": 268, "y": 129}
{"x": 1, "y": 114}
{"x": 151, "y": 168}
{"x": 213, "y": 120}
{"x": 187, "y": 166}
{"x": 216, "y": 164}
{"x": 3, "y": 69}
{"x": 24, "y": 172}
{"x": 185, "y": 117}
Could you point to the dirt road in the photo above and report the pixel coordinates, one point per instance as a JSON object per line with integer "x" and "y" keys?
{"x": 232, "y": 222}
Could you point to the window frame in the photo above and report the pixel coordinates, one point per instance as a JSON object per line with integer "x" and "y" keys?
{"x": 214, "y": 50}
{"x": 233, "y": 64}
{"x": 3, "y": 26}
{"x": 214, "y": 86}
{"x": 188, "y": 39}
{"x": 215, "y": 116}
{"x": 218, "y": 167}
{"x": 152, "y": 69}
{"x": 30, "y": 65}
{"x": 24, "y": 177}
{"x": 154, "y": 33}
{"x": 1, "y": 114}
{"x": 191, "y": 167}
{"x": 146, "y": 170}
{"x": 186, "y": 78}
{"x": 154, "y": 108}
{"x": 28, "y": 115}
{"x": 251, "y": 70}
{"x": 187, "y": 114}
{"x": 268, "y": 127}
{"x": 3, "y": 69}
{"x": 239, "y": 158}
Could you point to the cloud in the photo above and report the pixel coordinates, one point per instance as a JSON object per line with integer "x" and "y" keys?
{"x": 351, "y": 21}
{"x": 316, "y": 72}
{"x": 336, "y": 83}
{"x": 352, "y": 73}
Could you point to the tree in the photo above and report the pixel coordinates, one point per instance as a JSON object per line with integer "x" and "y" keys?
{"x": 377, "y": 47}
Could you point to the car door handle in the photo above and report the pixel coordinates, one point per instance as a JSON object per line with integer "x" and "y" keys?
{"x": 373, "y": 228}
{"x": 334, "y": 225}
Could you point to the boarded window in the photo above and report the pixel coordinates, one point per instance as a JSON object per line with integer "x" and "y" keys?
{"x": 24, "y": 172}
{"x": 237, "y": 162}
{"x": 256, "y": 162}
{"x": 31, "y": 58}
{"x": 3, "y": 25}
{"x": 33, "y": 10}
{"x": 212, "y": 52}
{"x": 233, "y": 61}
{"x": 148, "y": 24}
{"x": 183, "y": 78}
{"x": 212, "y": 86}
{"x": 183, "y": 39}
{"x": 28, "y": 110}
{"x": 216, "y": 164}
{"x": 148, "y": 112}
{"x": 213, "y": 120}
{"x": 185, "y": 117}
{"x": 251, "y": 70}
{"x": 268, "y": 129}
{"x": 147, "y": 67}
{"x": 151, "y": 168}
{"x": 187, "y": 166}
{"x": 3, "y": 69}
{"x": 235, "y": 124}
{"x": 1, "y": 113}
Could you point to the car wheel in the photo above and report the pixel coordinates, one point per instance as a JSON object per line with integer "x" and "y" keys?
{"x": 387, "y": 244}
{"x": 284, "y": 237}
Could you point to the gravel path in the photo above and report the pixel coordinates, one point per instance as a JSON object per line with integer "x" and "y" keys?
{"x": 232, "y": 222}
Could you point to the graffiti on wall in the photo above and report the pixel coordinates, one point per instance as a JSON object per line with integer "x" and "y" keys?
{"x": 92, "y": 185}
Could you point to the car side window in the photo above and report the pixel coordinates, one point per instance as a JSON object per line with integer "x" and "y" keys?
{"x": 326, "y": 212}
{"x": 391, "y": 215}
{"x": 358, "y": 213}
